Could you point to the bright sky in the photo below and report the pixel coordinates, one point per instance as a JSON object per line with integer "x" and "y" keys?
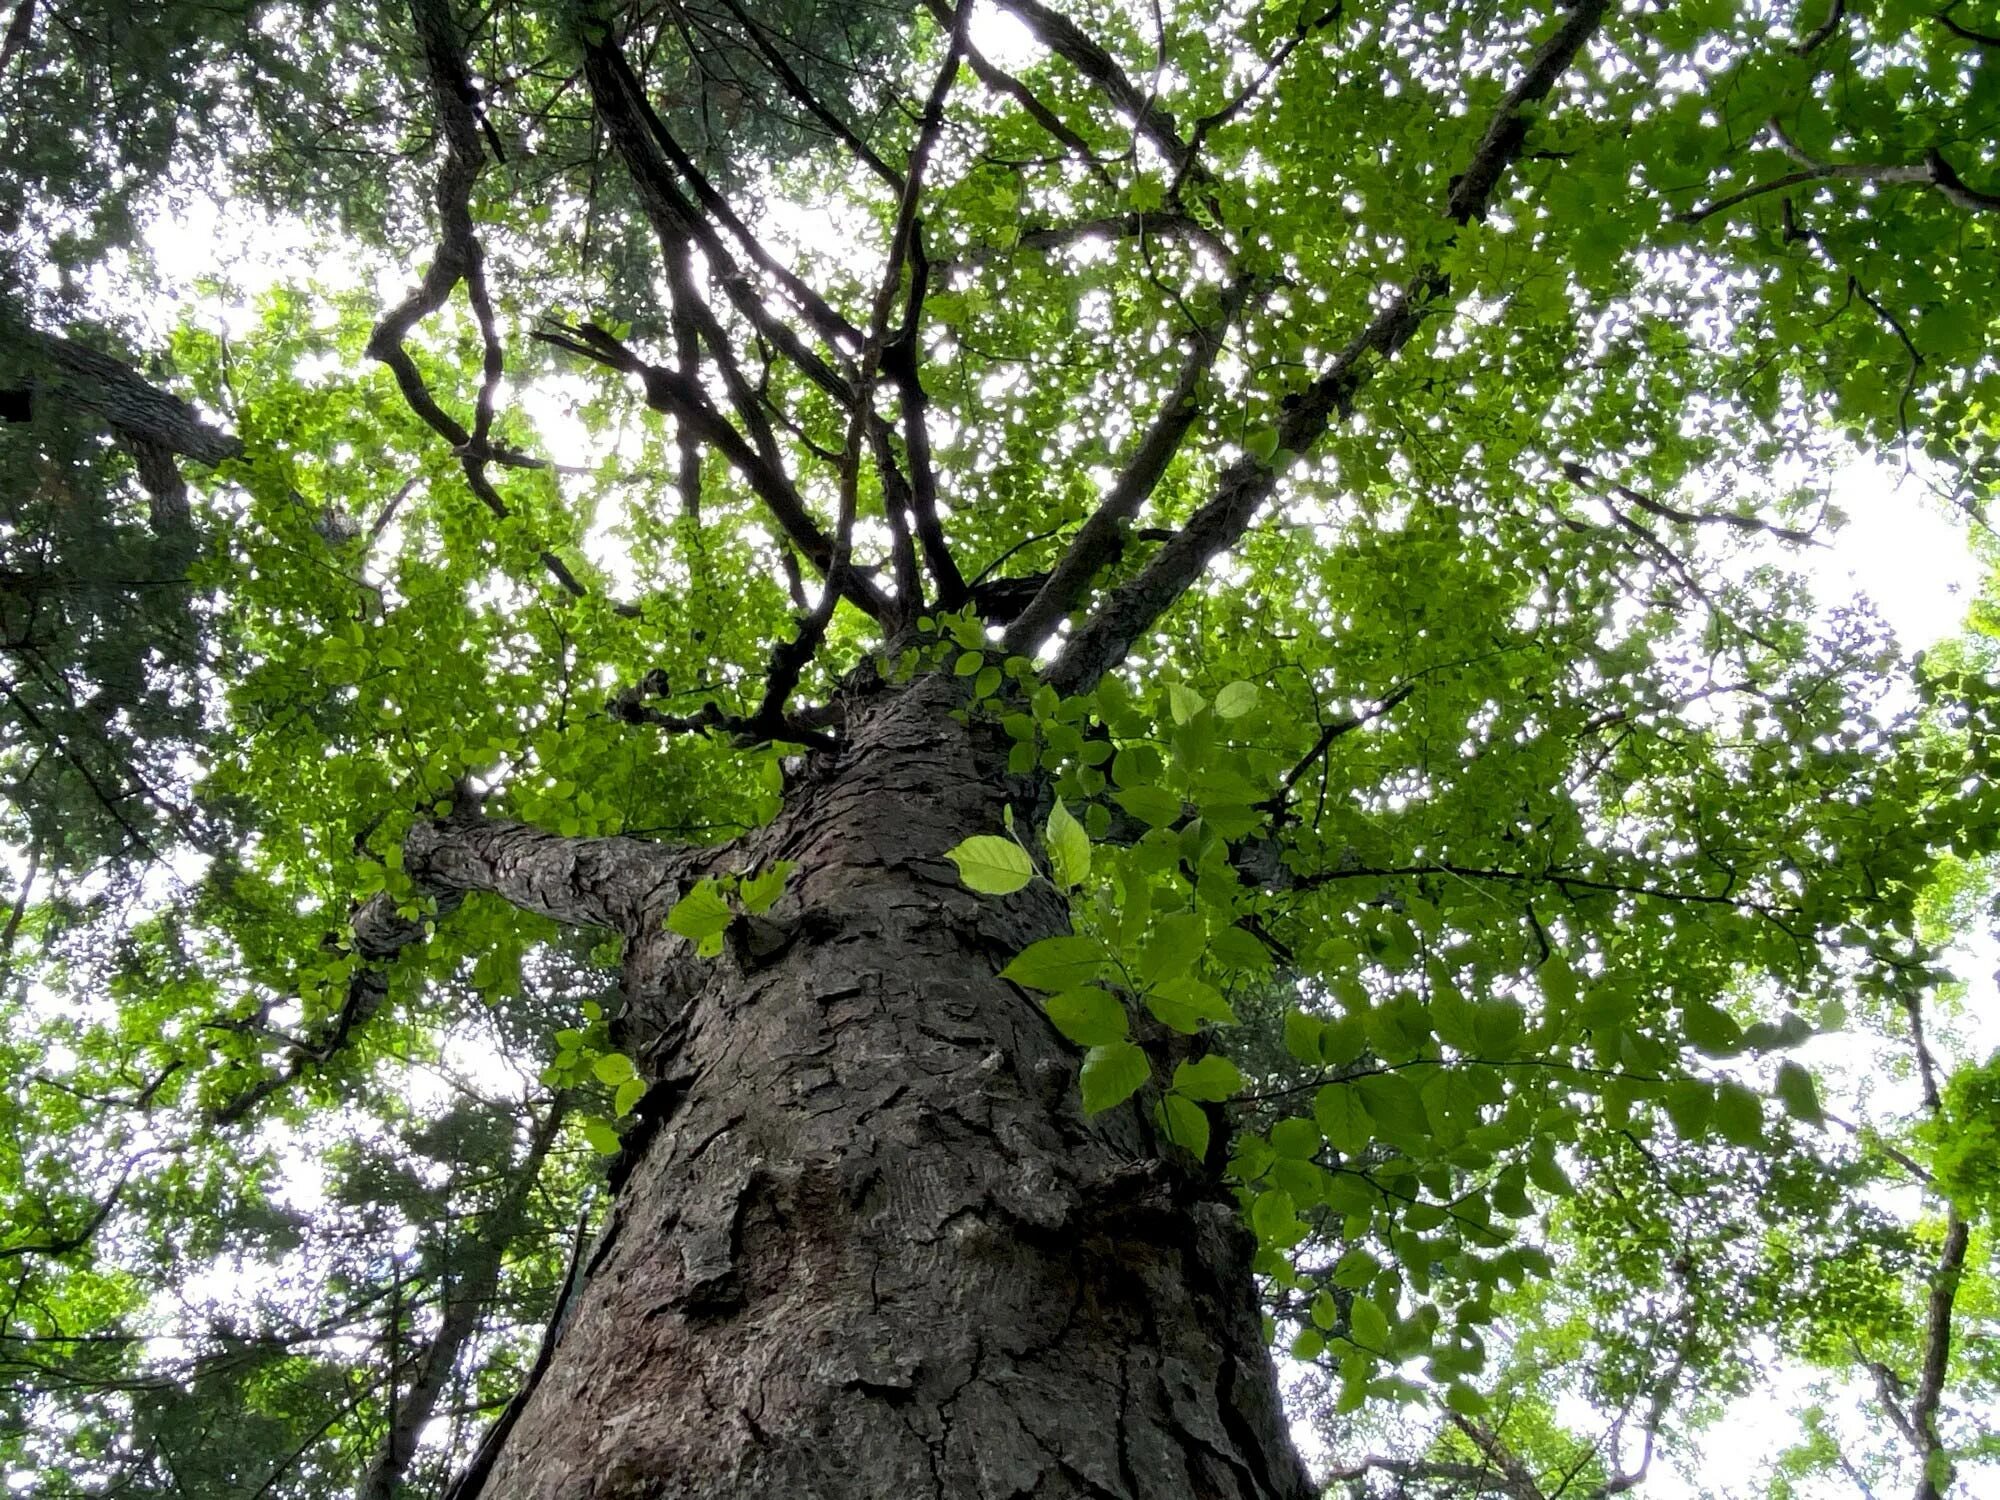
{"x": 1900, "y": 550}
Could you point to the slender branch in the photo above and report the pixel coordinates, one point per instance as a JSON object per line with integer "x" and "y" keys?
{"x": 789, "y": 658}
{"x": 1333, "y": 731}
{"x": 1001, "y": 82}
{"x": 459, "y": 257}
{"x": 776, "y": 61}
{"x": 899, "y": 363}
{"x": 679, "y": 396}
{"x": 1563, "y": 882}
{"x": 1836, "y": 12}
{"x": 19, "y": 910}
{"x": 1067, "y": 40}
{"x": 474, "y": 1277}
{"x": 1247, "y": 484}
{"x": 77, "y": 1238}
{"x": 1304, "y": 28}
{"x": 1934, "y": 172}
{"x": 1589, "y": 479}
{"x": 19, "y": 30}
{"x": 1964, "y": 33}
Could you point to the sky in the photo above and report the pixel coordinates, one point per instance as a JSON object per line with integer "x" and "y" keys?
{"x": 1899, "y": 549}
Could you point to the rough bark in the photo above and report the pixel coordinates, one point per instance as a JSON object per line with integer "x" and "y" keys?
{"x": 156, "y": 427}
{"x": 872, "y": 1248}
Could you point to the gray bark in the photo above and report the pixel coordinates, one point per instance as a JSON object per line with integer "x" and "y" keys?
{"x": 156, "y": 427}
{"x": 872, "y": 1247}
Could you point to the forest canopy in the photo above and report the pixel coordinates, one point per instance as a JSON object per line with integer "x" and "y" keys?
{"x": 817, "y": 747}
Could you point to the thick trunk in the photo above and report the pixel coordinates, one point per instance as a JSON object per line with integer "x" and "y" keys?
{"x": 873, "y": 1248}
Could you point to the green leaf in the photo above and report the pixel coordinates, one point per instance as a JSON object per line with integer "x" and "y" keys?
{"x": 1212, "y": 1078}
{"x": 1739, "y": 1115}
{"x": 1175, "y": 946}
{"x": 1464, "y": 1400}
{"x": 1302, "y": 1036}
{"x": 1184, "y": 702}
{"x": 702, "y": 913}
{"x": 1397, "y": 1108}
{"x": 759, "y": 893}
{"x": 1184, "y": 1004}
{"x": 602, "y": 1135}
{"x": 1690, "y": 1103}
{"x": 1058, "y": 963}
{"x": 630, "y": 1092}
{"x": 1710, "y": 1029}
{"x": 991, "y": 865}
{"x": 1111, "y": 1075}
{"x": 1089, "y": 1016}
{"x": 1275, "y": 1219}
{"x": 1338, "y": 1112}
{"x": 1236, "y": 700}
{"x": 1149, "y": 804}
{"x": 1794, "y": 1088}
{"x": 1233, "y": 948}
{"x": 613, "y": 1068}
{"x": 1068, "y": 847}
{"x": 1298, "y": 1139}
{"x": 1369, "y": 1323}
{"x": 1355, "y": 1269}
{"x": 1185, "y": 1123}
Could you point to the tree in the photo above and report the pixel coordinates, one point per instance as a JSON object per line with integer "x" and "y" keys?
{"x": 1165, "y": 672}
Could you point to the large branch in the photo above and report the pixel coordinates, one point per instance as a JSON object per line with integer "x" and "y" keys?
{"x": 625, "y": 884}
{"x": 621, "y": 883}
{"x": 156, "y": 427}
{"x": 127, "y": 403}
{"x": 1249, "y": 482}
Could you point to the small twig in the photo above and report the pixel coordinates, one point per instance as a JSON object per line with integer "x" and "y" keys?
{"x": 1812, "y": 40}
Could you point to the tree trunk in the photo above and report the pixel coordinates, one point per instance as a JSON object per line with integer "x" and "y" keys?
{"x": 873, "y": 1248}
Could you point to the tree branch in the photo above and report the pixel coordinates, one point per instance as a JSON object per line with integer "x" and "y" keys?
{"x": 625, "y": 884}
{"x": 1067, "y": 40}
{"x": 1836, "y": 12}
{"x": 1102, "y": 537}
{"x": 459, "y": 257}
{"x": 1248, "y": 483}
{"x": 474, "y": 1275}
{"x": 1589, "y": 479}
{"x": 1964, "y": 33}
{"x": 1935, "y": 172}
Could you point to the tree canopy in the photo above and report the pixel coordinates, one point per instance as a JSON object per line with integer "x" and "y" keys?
{"x": 1361, "y": 459}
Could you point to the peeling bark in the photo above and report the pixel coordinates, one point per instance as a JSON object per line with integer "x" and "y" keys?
{"x": 872, "y": 1248}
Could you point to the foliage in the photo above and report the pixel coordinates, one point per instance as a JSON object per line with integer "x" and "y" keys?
{"x": 1355, "y": 462}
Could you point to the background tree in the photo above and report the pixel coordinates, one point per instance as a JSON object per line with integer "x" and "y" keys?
{"x": 1247, "y": 542}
